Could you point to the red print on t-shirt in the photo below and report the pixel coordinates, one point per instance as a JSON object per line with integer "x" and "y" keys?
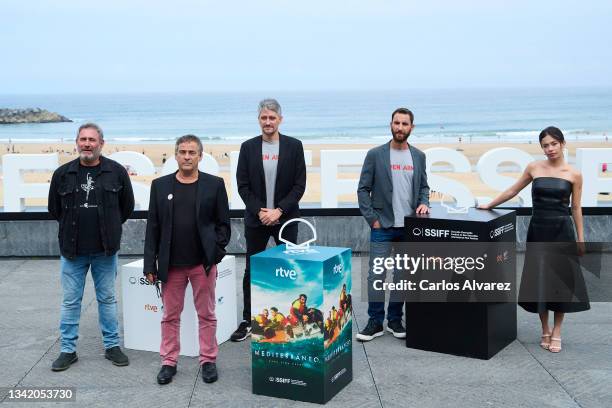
{"x": 399, "y": 167}
{"x": 267, "y": 157}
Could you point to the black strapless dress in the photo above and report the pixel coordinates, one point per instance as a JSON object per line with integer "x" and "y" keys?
{"x": 552, "y": 278}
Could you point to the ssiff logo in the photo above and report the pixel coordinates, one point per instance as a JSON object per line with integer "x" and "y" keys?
{"x": 430, "y": 232}
{"x": 338, "y": 269}
{"x": 143, "y": 281}
{"x": 496, "y": 232}
{"x": 438, "y": 233}
{"x": 500, "y": 230}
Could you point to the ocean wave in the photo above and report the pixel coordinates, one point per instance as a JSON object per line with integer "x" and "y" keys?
{"x": 522, "y": 136}
{"x": 32, "y": 140}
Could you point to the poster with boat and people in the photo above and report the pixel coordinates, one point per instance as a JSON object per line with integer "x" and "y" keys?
{"x": 302, "y": 322}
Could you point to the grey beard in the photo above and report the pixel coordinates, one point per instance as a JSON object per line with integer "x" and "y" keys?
{"x": 89, "y": 159}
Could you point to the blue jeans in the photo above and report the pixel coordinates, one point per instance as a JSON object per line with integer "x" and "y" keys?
{"x": 381, "y": 242}
{"x": 73, "y": 273}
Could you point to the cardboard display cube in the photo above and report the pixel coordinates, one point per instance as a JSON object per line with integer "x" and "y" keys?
{"x": 142, "y": 309}
{"x": 302, "y": 327}
{"x": 479, "y": 329}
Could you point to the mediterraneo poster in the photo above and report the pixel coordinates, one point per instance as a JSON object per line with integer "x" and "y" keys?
{"x": 302, "y": 323}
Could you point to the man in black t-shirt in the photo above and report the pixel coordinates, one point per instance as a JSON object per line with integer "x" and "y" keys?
{"x": 89, "y": 228}
{"x": 90, "y": 197}
{"x": 188, "y": 228}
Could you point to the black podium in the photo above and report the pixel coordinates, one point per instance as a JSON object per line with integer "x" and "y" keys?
{"x": 472, "y": 329}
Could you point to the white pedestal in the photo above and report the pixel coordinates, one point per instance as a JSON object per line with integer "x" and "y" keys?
{"x": 142, "y": 309}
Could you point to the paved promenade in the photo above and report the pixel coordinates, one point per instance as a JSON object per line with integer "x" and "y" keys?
{"x": 386, "y": 373}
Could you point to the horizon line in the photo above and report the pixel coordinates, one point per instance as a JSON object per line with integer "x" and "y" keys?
{"x": 340, "y": 90}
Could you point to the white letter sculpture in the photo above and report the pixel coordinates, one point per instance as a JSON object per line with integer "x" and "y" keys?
{"x": 142, "y": 166}
{"x": 331, "y": 185}
{"x": 487, "y": 170}
{"x": 15, "y": 189}
{"x": 589, "y": 162}
{"x": 463, "y": 196}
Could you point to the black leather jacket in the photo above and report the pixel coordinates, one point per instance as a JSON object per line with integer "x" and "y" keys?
{"x": 115, "y": 204}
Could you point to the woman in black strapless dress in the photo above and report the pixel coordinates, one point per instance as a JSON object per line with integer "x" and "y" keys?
{"x": 552, "y": 278}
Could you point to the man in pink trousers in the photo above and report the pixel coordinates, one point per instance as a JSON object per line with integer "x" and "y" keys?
{"x": 188, "y": 227}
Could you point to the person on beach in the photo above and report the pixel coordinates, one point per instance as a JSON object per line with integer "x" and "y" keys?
{"x": 188, "y": 228}
{"x": 90, "y": 197}
{"x": 271, "y": 177}
{"x": 392, "y": 185}
{"x": 552, "y": 279}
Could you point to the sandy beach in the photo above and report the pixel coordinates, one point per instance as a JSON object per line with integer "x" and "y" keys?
{"x": 157, "y": 152}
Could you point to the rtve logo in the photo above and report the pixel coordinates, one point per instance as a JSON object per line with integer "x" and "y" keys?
{"x": 285, "y": 273}
{"x": 151, "y": 308}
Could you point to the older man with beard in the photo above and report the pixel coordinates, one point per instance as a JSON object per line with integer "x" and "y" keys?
{"x": 90, "y": 197}
{"x": 393, "y": 184}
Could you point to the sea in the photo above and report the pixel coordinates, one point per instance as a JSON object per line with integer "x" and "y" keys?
{"x": 515, "y": 115}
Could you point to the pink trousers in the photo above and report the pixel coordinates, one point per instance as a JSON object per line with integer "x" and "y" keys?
{"x": 173, "y": 298}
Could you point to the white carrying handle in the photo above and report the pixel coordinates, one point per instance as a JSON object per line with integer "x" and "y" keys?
{"x": 453, "y": 210}
{"x": 304, "y": 246}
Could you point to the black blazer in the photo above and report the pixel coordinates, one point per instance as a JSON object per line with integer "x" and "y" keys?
{"x": 211, "y": 215}
{"x": 290, "y": 179}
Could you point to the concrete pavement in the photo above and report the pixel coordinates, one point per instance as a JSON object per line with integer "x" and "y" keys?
{"x": 386, "y": 373}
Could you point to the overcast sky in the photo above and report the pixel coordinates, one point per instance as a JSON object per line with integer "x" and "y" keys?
{"x": 199, "y": 45}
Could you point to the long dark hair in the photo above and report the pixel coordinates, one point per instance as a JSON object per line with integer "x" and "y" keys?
{"x": 553, "y": 132}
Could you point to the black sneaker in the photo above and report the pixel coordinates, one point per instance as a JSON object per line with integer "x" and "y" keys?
{"x": 372, "y": 330}
{"x": 116, "y": 356}
{"x": 395, "y": 327}
{"x": 64, "y": 361}
{"x": 242, "y": 332}
{"x": 209, "y": 372}
{"x": 165, "y": 374}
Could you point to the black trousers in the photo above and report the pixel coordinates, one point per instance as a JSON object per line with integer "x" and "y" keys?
{"x": 256, "y": 241}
